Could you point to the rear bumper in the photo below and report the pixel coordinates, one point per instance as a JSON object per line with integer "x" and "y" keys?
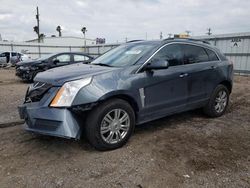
{"x": 59, "y": 122}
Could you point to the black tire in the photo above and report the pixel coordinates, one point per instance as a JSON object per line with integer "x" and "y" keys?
{"x": 92, "y": 129}
{"x": 210, "y": 109}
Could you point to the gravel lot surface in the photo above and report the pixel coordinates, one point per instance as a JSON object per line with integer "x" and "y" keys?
{"x": 12, "y": 92}
{"x": 184, "y": 150}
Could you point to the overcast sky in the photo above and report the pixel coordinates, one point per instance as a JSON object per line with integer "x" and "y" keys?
{"x": 117, "y": 19}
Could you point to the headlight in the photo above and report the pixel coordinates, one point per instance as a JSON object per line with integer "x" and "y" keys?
{"x": 68, "y": 91}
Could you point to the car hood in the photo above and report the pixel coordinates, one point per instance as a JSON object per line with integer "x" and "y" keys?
{"x": 58, "y": 76}
{"x": 28, "y": 62}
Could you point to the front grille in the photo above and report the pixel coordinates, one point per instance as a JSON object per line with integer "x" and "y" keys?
{"x": 36, "y": 91}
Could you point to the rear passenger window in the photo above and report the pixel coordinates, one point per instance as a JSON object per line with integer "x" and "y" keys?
{"x": 212, "y": 56}
{"x": 172, "y": 53}
{"x": 80, "y": 57}
{"x": 194, "y": 54}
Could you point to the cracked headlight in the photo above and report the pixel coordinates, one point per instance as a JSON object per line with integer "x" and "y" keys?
{"x": 68, "y": 91}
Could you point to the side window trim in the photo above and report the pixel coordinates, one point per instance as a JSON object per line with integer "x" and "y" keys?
{"x": 140, "y": 68}
{"x": 206, "y": 49}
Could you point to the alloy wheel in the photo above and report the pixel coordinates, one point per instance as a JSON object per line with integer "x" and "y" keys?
{"x": 221, "y": 101}
{"x": 115, "y": 126}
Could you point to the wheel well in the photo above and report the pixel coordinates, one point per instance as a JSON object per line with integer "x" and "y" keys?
{"x": 228, "y": 85}
{"x": 127, "y": 98}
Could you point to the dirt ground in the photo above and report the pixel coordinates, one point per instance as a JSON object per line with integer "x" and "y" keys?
{"x": 12, "y": 92}
{"x": 184, "y": 150}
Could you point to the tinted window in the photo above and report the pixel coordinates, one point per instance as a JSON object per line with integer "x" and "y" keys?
{"x": 2, "y": 55}
{"x": 194, "y": 54}
{"x": 62, "y": 58}
{"x": 212, "y": 56}
{"x": 80, "y": 57}
{"x": 171, "y": 53}
{"x": 13, "y": 54}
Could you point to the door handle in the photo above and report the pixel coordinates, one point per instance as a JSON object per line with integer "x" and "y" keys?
{"x": 183, "y": 75}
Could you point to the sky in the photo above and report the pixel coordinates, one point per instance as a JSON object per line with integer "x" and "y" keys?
{"x": 116, "y": 20}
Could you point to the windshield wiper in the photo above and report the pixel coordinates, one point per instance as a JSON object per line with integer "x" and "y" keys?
{"x": 102, "y": 64}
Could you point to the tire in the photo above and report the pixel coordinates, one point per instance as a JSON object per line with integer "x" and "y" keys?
{"x": 103, "y": 117}
{"x": 213, "y": 109}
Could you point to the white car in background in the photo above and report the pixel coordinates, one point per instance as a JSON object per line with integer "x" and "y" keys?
{"x": 11, "y": 58}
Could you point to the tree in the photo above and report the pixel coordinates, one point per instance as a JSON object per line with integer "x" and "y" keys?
{"x": 58, "y": 28}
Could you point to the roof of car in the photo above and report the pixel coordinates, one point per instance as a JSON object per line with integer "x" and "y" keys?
{"x": 202, "y": 43}
{"x": 168, "y": 40}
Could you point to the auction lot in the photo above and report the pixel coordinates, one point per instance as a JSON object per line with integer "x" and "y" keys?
{"x": 184, "y": 150}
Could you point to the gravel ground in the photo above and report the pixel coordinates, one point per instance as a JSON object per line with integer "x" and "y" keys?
{"x": 184, "y": 150}
{"x": 12, "y": 92}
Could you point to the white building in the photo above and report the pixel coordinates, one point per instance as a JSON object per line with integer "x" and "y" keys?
{"x": 64, "y": 41}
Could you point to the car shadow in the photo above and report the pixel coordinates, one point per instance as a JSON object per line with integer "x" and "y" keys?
{"x": 169, "y": 122}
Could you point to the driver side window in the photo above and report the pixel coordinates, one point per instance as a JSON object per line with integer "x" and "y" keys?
{"x": 171, "y": 53}
{"x": 62, "y": 58}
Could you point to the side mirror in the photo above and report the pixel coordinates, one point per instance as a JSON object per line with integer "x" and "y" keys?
{"x": 56, "y": 61}
{"x": 157, "y": 64}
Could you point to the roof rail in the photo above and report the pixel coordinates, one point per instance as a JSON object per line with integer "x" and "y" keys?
{"x": 191, "y": 39}
{"x": 199, "y": 40}
{"x": 134, "y": 41}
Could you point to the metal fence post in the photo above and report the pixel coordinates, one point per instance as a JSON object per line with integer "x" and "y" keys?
{"x": 11, "y": 47}
{"x": 39, "y": 50}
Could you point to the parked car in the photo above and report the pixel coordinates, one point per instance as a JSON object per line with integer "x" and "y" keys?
{"x": 11, "y": 58}
{"x": 27, "y": 70}
{"x": 131, "y": 84}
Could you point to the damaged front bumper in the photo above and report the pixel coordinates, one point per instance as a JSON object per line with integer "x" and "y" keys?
{"x": 59, "y": 122}
{"x": 24, "y": 74}
{"x": 41, "y": 118}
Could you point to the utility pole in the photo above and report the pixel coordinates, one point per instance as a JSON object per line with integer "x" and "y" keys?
{"x": 37, "y": 27}
{"x": 59, "y": 29}
{"x": 161, "y": 36}
{"x": 209, "y": 31}
{"x": 84, "y": 30}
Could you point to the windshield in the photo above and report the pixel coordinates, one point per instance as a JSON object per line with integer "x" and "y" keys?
{"x": 124, "y": 55}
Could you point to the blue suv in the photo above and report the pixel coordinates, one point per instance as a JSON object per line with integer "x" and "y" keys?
{"x": 134, "y": 83}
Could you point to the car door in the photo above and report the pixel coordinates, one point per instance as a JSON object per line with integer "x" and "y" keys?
{"x": 79, "y": 58}
{"x": 165, "y": 90}
{"x": 60, "y": 60}
{"x": 3, "y": 58}
{"x": 200, "y": 72}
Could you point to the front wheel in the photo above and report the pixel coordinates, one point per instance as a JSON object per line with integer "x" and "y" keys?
{"x": 218, "y": 102}
{"x": 110, "y": 125}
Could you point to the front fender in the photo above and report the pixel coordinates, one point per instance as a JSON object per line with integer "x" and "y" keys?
{"x": 94, "y": 93}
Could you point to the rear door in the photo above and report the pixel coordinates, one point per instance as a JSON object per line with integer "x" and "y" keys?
{"x": 201, "y": 72}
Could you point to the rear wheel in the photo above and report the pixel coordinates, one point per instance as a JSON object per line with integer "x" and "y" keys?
{"x": 218, "y": 102}
{"x": 110, "y": 125}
